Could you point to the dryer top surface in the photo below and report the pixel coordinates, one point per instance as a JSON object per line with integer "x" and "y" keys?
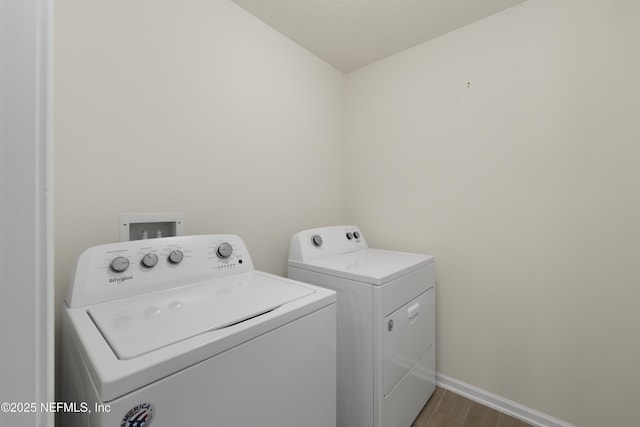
{"x": 373, "y": 266}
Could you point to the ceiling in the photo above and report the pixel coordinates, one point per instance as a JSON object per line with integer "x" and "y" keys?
{"x": 353, "y": 33}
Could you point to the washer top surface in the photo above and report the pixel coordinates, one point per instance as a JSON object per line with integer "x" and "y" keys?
{"x": 374, "y": 266}
{"x": 144, "y": 323}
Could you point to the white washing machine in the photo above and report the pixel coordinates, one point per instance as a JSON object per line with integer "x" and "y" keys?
{"x": 386, "y": 323}
{"x": 182, "y": 331}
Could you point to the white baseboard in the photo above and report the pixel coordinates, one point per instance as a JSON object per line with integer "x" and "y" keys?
{"x": 499, "y": 403}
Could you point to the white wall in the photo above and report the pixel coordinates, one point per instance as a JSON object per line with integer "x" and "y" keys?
{"x": 509, "y": 149}
{"x": 195, "y": 107}
{"x": 26, "y": 234}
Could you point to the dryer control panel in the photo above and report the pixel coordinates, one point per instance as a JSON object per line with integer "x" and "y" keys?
{"x": 316, "y": 243}
{"x": 125, "y": 269}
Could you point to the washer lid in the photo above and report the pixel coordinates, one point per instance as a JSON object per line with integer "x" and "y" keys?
{"x": 374, "y": 266}
{"x": 144, "y": 323}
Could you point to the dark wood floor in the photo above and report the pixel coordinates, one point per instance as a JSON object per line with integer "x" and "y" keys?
{"x": 447, "y": 409}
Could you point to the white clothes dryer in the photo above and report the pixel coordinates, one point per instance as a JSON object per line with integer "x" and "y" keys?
{"x": 182, "y": 331}
{"x": 386, "y": 323}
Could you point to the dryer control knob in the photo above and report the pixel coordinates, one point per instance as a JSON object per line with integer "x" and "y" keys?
{"x": 119, "y": 264}
{"x": 149, "y": 260}
{"x": 224, "y": 250}
{"x": 316, "y": 239}
{"x": 175, "y": 257}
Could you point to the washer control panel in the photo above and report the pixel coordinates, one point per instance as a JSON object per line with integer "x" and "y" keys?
{"x": 125, "y": 269}
{"x": 322, "y": 242}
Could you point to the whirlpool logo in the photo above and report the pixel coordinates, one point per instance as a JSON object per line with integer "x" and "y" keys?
{"x": 118, "y": 280}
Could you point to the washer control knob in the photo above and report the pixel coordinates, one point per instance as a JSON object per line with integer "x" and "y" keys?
{"x": 224, "y": 250}
{"x": 356, "y": 234}
{"x": 349, "y": 235}
{"x": 119, "y": 264}
{"x": 316, "y": 239}
{"x": 149, "y": 260}
{"x": 175, "y": 257}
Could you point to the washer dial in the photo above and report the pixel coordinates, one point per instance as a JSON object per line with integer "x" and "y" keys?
{"x": 224, "y": 250}
{"x": 119, "y": 264}
{"x": 175, "y": 257}
{"x": 149, "y": 260}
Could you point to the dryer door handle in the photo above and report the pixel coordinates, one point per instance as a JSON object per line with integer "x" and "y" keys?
{"x": 413, "y": 311}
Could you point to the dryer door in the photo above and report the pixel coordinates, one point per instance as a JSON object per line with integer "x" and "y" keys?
{"x": 408, "y": 335}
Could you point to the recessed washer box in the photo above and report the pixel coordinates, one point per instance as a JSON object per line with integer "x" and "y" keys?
{"x": 138, "y": 226}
